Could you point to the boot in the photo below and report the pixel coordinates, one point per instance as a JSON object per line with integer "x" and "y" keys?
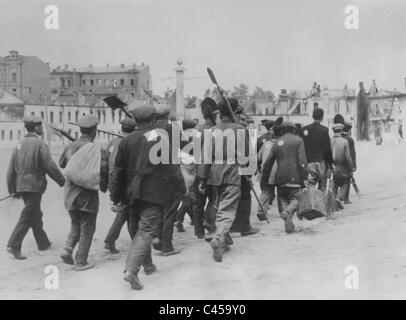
{"x": 289, "y": 226}
{"x": 16, "y": 253}
{"x": 251, "y": 231}
{"x": 111, "y": 247}
{"x": 217, "y": 246}
{"x": 132, "y": 278}
{"x": 66, "y": 256}
{"x": 150, "y": 269}
{"x": 44, "y": 248}
{"x": 83, "y": 267}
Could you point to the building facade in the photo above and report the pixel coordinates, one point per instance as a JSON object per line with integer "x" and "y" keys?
{"x": 26, "y": 77}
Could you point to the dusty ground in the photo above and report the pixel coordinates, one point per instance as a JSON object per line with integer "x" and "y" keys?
{"x": 370, "y": 233}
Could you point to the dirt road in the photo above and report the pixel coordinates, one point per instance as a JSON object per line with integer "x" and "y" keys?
{"x": 369, "y": 234}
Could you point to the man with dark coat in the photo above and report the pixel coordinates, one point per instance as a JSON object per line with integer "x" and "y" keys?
{"x": 82, "y": 204}
{"x": 163, "y": 234}
{"x": 289, "y": 154}
{"x": 127, "y": 126}
{"x": 318, "y": 151}
{"x": 143, "y": 186}
{"x": 30, "y": 163}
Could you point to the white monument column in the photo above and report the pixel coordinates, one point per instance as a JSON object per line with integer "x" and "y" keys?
{"x": 180, "y": 100}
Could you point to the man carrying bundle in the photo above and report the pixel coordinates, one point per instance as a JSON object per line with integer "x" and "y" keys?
{"x": 127, "y": 126}
{"x": 289, "y": 154}
{"x": 30, "y": 163}
{"x": 86, "y": 172}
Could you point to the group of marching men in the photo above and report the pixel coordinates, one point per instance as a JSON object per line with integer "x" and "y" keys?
{"x": 153, "y": 198}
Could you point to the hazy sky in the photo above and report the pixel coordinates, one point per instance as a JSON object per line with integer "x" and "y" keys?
{"x": 273, "y": 44}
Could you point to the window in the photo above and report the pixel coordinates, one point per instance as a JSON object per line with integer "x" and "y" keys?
{"x": 2, "y": 134}
{"x": 19, "y": 134}
{"x": 42, "y": 114}
{"x": 69, "y": 116}
{"x": 99, "y": 83}
{"x": 69, "y": 83}
{"x": 91, "y": 82}
{"x": 14, "y": 90}
{"x": 11, "y": 134}
{"x": 84, "y": 82}
{"x": 106, "y": 81}
{"x": 132, "y": 82}
{"x": 122, "y": 82}
{"x": 348, "y": 108}
{"x": 32, "y": 113}
{"x": 119, "y": 114}
{"x": 2, "y": 76}
{"x": 51, "y": 115}
{"x": 60, "y": 116}
{"x": 27, "y": 89}
{"x": 98, "y": 114}
{"x": 104, "y": 116}
{"x": 14, "y": 76}
{"x": 76, "y": 116}
{"x": 112, "y": 116}
{"x": 114, "y": 83}
{"x": 63, "y": 83}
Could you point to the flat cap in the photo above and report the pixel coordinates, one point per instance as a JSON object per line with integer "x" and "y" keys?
{"x": 32, "y": 119}
{"x": 128, "y": 123}
{"x": 338, "y": 118}
{"x": 143, "y": 112}
{"x": 88, "y": 121}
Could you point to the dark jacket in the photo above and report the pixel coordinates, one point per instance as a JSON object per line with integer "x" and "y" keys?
{"x": 136, "y": 178}
{"x": 268, "y": 136}
{"x": 29, "y": 164}
{"x": 351, "y": 144}
{"x": 289, "y": 153}
{"x": 76, "y": 197}
{"x": 200, "y": 168}
{"x": 317, "y": 143}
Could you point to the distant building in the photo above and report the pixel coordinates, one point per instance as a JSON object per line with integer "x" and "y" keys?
{"x": 26, "y": 77}
{"x": 11, "y": 116}
{"x": 128, "y": 82}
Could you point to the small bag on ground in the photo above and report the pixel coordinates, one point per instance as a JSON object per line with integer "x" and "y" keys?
{"x": 83, "y": 168}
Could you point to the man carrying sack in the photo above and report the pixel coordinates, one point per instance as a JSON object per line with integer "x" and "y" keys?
{"x": 30, "y": 163}
{"x": 86, "y": 172}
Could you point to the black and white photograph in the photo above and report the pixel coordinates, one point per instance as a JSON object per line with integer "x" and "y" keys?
{"x": 202, "y": 150}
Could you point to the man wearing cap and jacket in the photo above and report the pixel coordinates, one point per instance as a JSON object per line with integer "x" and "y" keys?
{"x": 30, "y": 162}
{"x": 127, "y": 126}
{"x": 289, "y": 153}
{"x": 164, "y": 232}
{"x": 82, "y": 204}
{"x": 318, "y": 150}
{"x": 143, "y": 186}
{"x": 342, "y": 160}
{"x": 225, "y": 180}
{"x": 344, "y": 193}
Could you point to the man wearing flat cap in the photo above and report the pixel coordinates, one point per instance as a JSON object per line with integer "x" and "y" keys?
{"x": 344, "y": 193}
{"x": 289, "y": 154}
{"x": 127, "y": 126}
{"x": 142, "y": 185}
{"x": 82, "y": 204}
{"x": 342, "y": 160}
{"x": 26, "y": 176}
